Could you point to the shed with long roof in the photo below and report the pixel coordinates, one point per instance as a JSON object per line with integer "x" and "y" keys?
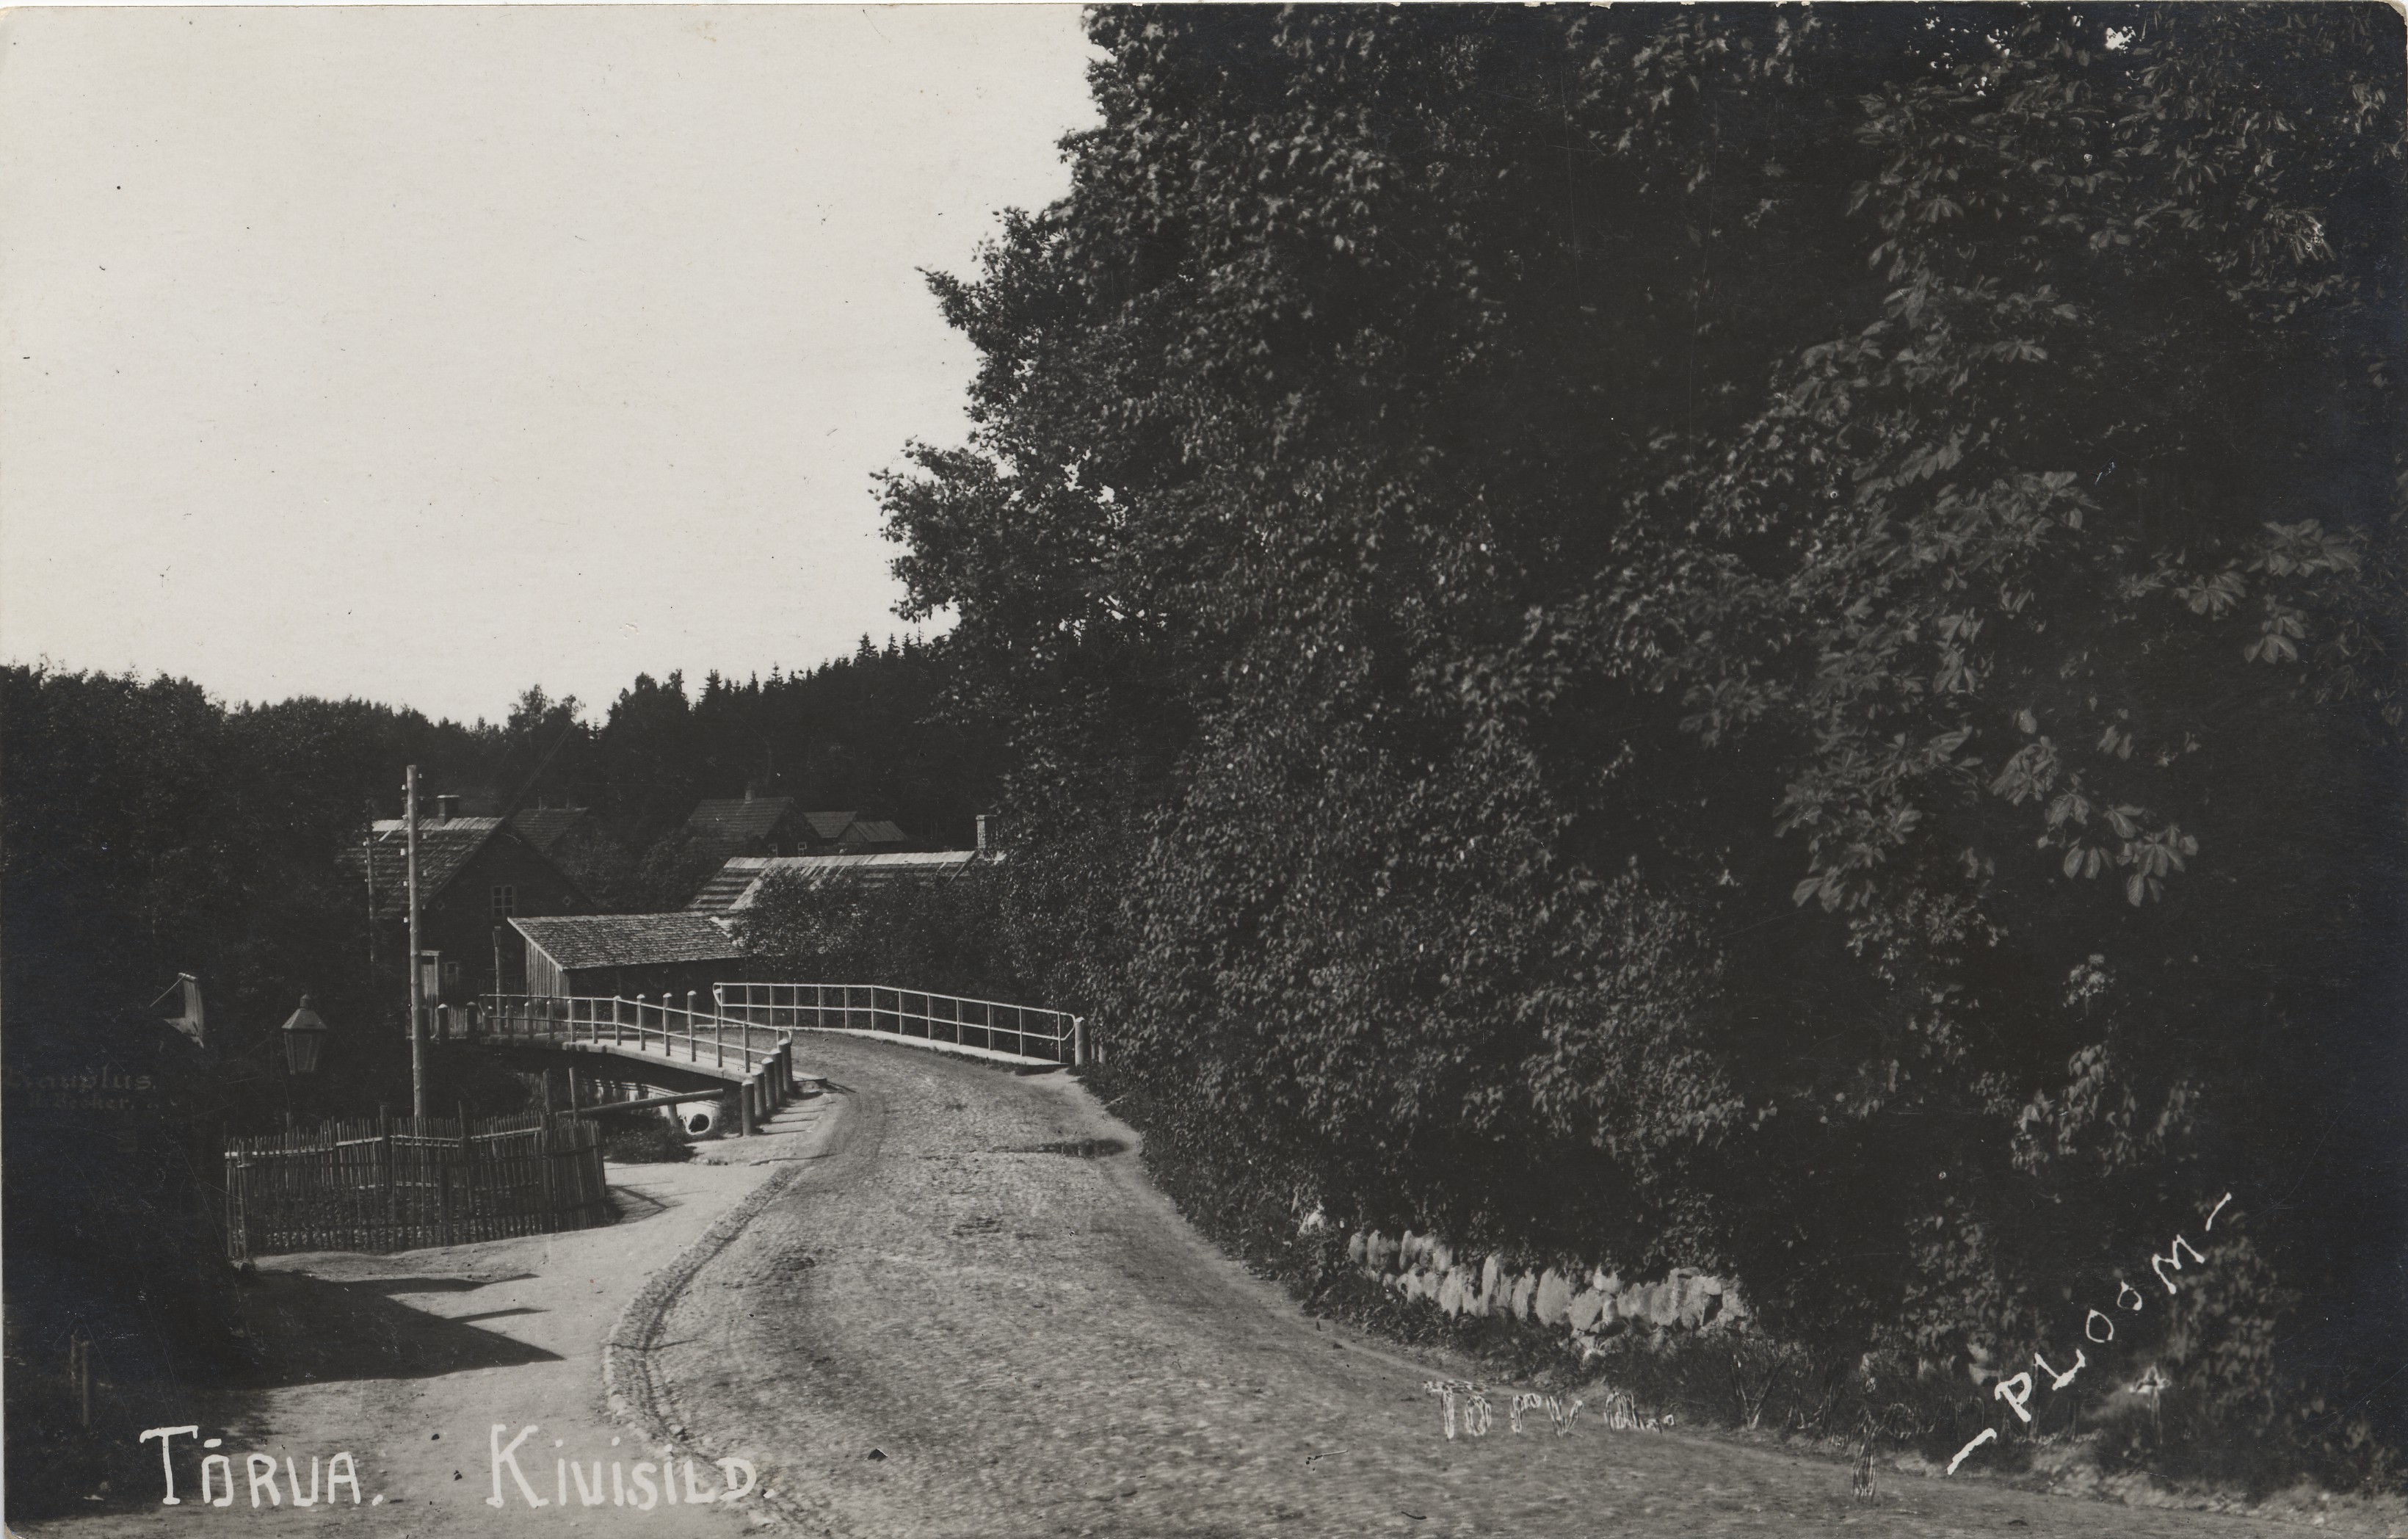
{"x": 603, "y": 955}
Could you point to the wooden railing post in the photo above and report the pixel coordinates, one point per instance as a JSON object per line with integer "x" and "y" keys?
{"x": 543, "y": 1148}
{"x": 384, "y": 1148}
{"x": 468, "y": 1175}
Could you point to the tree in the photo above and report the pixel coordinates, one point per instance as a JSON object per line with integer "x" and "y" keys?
{"x": 1710, "y": 635}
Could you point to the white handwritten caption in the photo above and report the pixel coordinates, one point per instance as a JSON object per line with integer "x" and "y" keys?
{"x": 638, "y": 1477}
{"x": 628, "y": 1485}
{"x": 2018, "y": 1389}
{"x": 1475, "y": 1415}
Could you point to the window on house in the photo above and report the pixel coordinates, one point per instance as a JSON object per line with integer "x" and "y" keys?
{"x": 505, "y": 901}
{"x": 451, "y": 973}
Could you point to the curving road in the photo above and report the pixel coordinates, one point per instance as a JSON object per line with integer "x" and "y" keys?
{"x": 972, "y": 1315}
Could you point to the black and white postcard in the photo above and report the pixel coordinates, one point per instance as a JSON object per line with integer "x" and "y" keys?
{"x": 1019, "y": 770}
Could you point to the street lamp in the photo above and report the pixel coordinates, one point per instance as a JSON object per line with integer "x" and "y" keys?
{"x": 305, "y": 1036}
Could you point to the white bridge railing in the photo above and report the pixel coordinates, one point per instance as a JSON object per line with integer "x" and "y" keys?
{"x": 697, "y": 1035}
{"x": 759, "y": 1059}
{"x": 1023, "y": 1031}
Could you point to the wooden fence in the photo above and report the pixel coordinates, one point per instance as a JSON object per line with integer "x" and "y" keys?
{"x": 397, "y": 1183}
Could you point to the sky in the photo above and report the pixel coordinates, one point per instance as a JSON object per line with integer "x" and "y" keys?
{"x": 424, "y": 354}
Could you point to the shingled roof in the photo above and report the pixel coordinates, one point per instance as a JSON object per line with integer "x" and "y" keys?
{"x": 738, "y": 819}
{"x": 828, "y": 827}
{"x": 445, "y": 847}
{"x": 629, "y": 939}
{"x": 445, "y": 844}
{"x": 739, "y": 882}
{"x": 874, "y": 831}
{"x": 544, "y": 827}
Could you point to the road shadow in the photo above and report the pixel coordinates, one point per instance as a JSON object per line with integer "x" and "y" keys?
{"x": 423, "y": 1285}
{"x": 635, "y": 1205}
{"x": 305, "y": 1330}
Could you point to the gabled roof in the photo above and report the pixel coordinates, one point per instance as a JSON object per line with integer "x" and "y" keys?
{"x": 445, "y": 844}
{"x": 544, "y": 827}
{"x": 739, "y": 882}
{"x": 828, "y": 827}
{"x": 738, "y": 818}
{"x": 629, "y": 939}
{"x": 875, "y": 831}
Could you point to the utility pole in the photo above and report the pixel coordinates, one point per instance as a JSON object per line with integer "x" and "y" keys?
{"x": 368, "y": 852}
{"x": 417, "y": 1000}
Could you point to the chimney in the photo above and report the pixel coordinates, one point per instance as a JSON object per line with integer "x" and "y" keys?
{"x": 447, "y": 808}
{"x": 981, "y": 833}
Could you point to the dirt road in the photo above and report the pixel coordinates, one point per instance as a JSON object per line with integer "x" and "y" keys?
{"x": 973, "y": 1317}
{"x": 408, "y": 1362}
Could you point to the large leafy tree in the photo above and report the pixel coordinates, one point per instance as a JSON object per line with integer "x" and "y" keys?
{"x": 1715, "y": 636}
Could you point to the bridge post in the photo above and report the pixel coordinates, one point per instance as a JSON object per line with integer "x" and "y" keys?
{"x": 744, "y": 1108}
{"x": 1078, "y": 1041}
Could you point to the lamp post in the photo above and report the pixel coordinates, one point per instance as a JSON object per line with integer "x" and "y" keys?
{"x": 305, "y": 1039}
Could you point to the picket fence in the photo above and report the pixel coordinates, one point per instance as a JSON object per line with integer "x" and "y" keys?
{"x": 398, "y": 1184}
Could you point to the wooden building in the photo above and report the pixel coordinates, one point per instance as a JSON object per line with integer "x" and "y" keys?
{"x": 749, "y": 825}
{"x": 774, "y": 827}
{"x": 624, "y": 955}
{"x": 545, "y": 828}
{"x": 475, "y": 875}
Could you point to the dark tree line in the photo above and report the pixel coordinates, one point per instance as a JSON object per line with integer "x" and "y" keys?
{"x": 1730, "y": 636}
{"x": 151, "y": 830}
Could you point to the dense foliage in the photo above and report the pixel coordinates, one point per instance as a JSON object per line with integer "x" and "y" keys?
{"x": 1731, "y": 637}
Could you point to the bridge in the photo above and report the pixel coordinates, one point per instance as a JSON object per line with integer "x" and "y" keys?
{"x": 654, "y": 1039}
{"x": 743, "y": 1037}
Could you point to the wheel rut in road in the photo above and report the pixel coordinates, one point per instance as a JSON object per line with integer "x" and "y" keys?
{"x": 973, "y": 1315}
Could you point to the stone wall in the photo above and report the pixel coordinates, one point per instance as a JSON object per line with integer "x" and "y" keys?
{"x": 1590, "y": 1304}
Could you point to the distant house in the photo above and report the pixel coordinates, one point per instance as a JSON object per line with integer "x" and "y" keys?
{"x": 739, "y": 882}
{"x": 871, "y": 836}
{"x": 847, "y": 833}
{"x": 624, "y": 955}
{"x": 545, "y": 827}
{"x": 749, "y": 825}
{"x": 773, "y": 825}
{"x": 475, "y": 875}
